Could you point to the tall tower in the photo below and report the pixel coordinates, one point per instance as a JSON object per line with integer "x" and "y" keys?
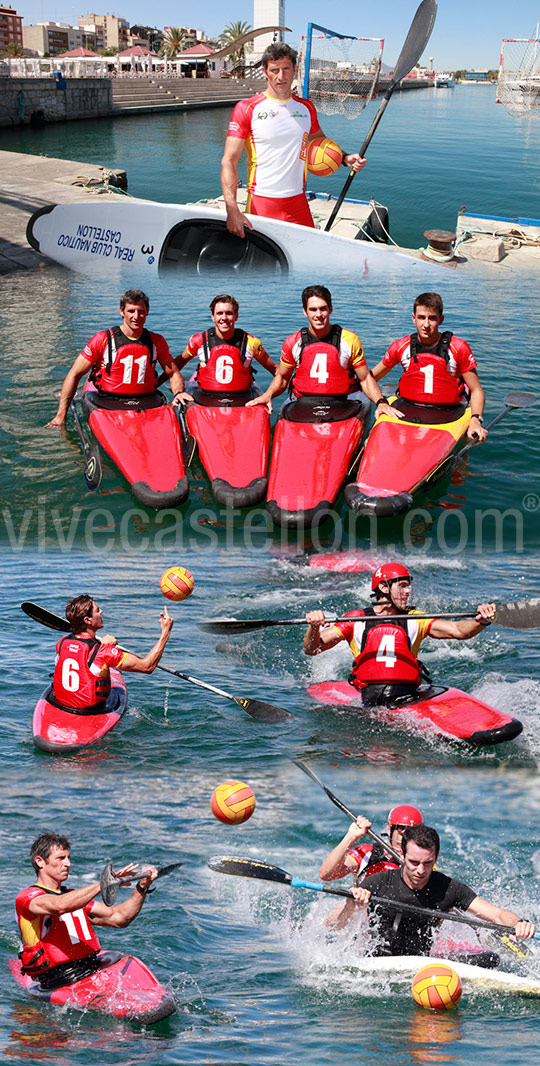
{"x": 267, "y": 13}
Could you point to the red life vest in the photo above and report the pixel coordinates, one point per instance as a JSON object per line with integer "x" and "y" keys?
{"x": 319, "y": 371}
{"x": 371, "y": 859}
{"x": 129, "y": 365}
{"x": 75, "y": 683}
{"x": 385, "y": 656}
{"x": 223, "y": 365}
{"x": 427, "y": 379}
{"x": 64, "y": 937}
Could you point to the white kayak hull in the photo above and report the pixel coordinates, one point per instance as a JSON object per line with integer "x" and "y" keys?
{"x": 142, "y": 238}
{"x": 399, "y": 967}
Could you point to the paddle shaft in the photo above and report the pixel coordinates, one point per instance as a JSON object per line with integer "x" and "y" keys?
{"x": 257, "y": 709}
{"x": 415, "y": 42}
{"x": 338, "y": 803}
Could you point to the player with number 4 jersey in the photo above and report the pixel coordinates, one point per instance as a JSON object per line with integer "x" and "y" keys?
{"x": 437, "y": 368}
{"x": 323, "y": 359}
{"x": 124, "y": 360}
{"x": 81, "y": 677}
{"x": 385, "y": 650}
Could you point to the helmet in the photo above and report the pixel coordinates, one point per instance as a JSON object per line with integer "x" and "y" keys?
{"x": 405, "y": 815}
{"x": 389, "y": 572}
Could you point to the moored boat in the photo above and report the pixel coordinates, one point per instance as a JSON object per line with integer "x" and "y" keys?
{"x": 449, "y": 710}
{"x": 121, "y": 986}
{"x": 404, "y": 455}
{"x": 233, "y": 443}
{"x": 59, "y": 730}
{"x": 316, "y": 440}
{"x": 141, "y": 434}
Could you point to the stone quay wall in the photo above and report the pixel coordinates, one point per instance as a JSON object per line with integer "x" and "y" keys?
{"x": 34, "y": 101}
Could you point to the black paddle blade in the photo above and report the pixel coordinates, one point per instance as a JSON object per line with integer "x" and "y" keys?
{"x": 263, "y": 712}
{"x": 520, "y": 399}
{"x": 416, "y": 39}
{"x": 522, "y": 614}
{"x": 92, "y": 471}
{"x": 46, "y": 618}
{"x": 109, "y": 884}
{"x": 234, "y": 625}
{"x": 164, "y": 870}
{"x": 262, "y": 871}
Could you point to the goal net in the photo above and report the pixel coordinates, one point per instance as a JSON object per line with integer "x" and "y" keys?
{"x": 339, "y": 73}
{"x": 518, "y": 84}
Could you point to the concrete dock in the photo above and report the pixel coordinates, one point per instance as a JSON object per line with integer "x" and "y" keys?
{"x": 28, "y": 182}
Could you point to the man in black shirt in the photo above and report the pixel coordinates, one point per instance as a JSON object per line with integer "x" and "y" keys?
{"x": 416, "y": 882}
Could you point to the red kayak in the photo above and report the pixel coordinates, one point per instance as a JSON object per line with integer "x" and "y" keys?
{"x": 141, "y": 434}
{"x": 449, "y": 710}
{"x": 403, "y": 456}
{"x": 234, "y": 444}
{"x": 61, "y": 731}
{"x": 122, "y": 986}
{"x": 316, "y": 440}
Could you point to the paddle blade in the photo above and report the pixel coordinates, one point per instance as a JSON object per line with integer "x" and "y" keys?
{"x": 521, "y": 614}
{"x": 263, "y": 712}
{"x": 262, "y": 871}
{"x": 416, "y": 39}
{"x": 235, "y": 625}
{"x": 109, "y": 884}
{"x": 46, "y": 618}
{"x": 520, "y": 399}
{"x": 93, "y": 472}
{"x": 164, "y": 870}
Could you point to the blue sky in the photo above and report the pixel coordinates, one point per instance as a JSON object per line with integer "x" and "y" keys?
{"x": 467, "y": 32}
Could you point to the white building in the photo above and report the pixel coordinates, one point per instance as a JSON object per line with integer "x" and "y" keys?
{"x": 267, "y": 13}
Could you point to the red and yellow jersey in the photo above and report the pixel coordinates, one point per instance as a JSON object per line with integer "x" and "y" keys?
{"x": 124, "y": 365}
{"x": 429, "y": 377}
{"x": 54, "y": 939}
{"x": 385, "y": 651}
{"x": 224, "y": 365}
{"x": 324, "y": 365}
{"x": 276, "y": 134}
{"x": 81, "y": 673}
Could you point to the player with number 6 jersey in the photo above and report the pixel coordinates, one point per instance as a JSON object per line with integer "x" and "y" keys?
{"x": 81, "y": 677}
{"x": 122, "y": 360}
{"x": 225, "y": 353}
{"x": 386, "y": 665}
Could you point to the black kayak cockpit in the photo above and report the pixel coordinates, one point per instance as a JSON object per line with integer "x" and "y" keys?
{"x": 206, "y": 245}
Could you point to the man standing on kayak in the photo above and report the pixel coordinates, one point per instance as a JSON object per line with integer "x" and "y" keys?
{"x": 275, "y": 127}
{"x": 386, "y": 666}
{"x": 122, "y": 360}
{"x": 325, "y": 359}
{"x": 438, "y": 368}
{"x": 419, "y": 884}
{"x": 81, "y": 677}
{"x": 225, "y": 353}
{"x": 59, "y": 944}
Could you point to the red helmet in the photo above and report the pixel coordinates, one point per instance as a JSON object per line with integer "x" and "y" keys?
{"x": 389, "y": 572}
{"x": 405, "y": 815}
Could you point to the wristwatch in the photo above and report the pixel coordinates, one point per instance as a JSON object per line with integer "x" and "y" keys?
{"x": 480, "y": 419}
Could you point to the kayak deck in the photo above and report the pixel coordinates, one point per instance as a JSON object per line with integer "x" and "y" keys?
{"x": 399, "y": 967}
{"x": 315, "y": 442}
{"x": 61, "y": 732}
{"x": 234, "y": 444}
{"x": 124, "y": 988}
{"x": 449, "y": 710}
{"x": 142, "y": 437}
{"x": 403, "y": 455}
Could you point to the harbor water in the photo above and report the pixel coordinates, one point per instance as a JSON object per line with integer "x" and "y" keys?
{"x": 256, "y": 978}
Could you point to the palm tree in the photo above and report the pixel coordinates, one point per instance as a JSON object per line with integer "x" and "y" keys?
{"x": 175, "y": 39}
{"x": 230, "y": 34}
